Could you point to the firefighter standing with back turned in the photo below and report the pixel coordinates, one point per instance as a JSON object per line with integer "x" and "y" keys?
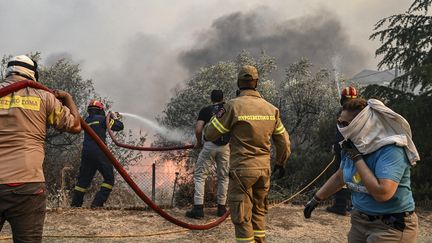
{"x": 24, "y": 116}
{"x": 212, "y": 152}
{"x": 253, "y": 123}
{"x": 93, "y": 159}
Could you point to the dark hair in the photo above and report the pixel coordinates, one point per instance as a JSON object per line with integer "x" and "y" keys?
{"x": 95, "y": 111}
{"x": 252, "y": 83}
{"x": 355, "y": 105}
{"x": 216, "y": 95}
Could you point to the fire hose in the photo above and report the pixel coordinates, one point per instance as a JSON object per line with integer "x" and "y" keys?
{"x": 26, "y": 83}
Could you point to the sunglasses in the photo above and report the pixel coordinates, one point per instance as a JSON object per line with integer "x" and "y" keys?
{"x": 343, "y": 123}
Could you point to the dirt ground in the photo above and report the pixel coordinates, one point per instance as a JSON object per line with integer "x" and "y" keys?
{"x": 285, "y": 224}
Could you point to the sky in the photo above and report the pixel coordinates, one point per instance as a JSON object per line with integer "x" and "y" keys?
{"x": 137, "y": 51}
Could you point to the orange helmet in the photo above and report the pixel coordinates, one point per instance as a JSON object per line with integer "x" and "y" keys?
{"x": 96, "y": 104}
{"x": 349, "y": 92}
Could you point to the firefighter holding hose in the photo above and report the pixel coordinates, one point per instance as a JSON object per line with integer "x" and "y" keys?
{"x": 24, "y": 116}
{"x": 253, "y": 123}
{"x": 93, "y": 159}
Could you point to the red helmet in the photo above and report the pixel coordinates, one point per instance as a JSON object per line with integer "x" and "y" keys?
{"x": 349, "y": 92}
{"x": 96, "y": 104}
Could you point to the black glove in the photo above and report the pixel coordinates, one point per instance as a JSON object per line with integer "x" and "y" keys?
{"x": 351, "y": 150}
{"x": 115, "y": 115}
{"x": 310, "y": 206}
{"x": 280, "y": 170}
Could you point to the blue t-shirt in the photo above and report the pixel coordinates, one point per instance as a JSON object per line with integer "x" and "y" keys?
{"x": 388, "y": 162}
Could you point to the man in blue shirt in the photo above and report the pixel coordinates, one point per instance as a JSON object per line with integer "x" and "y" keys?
{"x": 93, "y": 159}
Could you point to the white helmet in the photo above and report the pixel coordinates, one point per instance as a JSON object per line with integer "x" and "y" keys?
{"x": 23, "y": 66}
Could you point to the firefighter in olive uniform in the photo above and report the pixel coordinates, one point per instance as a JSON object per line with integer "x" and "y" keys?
{"x": 253, "y": 123}
{"x": 93, "y": 159}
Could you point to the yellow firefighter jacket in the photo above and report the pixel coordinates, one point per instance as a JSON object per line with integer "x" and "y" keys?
{"x": 252, "y": 122}
{"x": 24, "y": 116}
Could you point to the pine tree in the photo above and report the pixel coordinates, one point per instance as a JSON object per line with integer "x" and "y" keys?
{"x": 406, "y": 44}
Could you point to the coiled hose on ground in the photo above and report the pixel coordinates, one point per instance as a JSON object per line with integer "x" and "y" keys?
{"x": 26, "y": 83}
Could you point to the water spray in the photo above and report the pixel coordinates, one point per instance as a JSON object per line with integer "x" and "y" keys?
{"x": 336, "y": 63}
{"x": 173, "y": 135}
{"x": 141, "y": 148}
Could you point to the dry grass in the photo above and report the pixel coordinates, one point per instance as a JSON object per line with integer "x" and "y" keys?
{"x": 285, "y": 224}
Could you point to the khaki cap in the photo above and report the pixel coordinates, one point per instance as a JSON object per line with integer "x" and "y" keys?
{"x": 248, "y": 72}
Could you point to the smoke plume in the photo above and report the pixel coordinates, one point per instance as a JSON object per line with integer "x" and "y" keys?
{"x": 318, "y": 37}
{"x": 143, "y": 76}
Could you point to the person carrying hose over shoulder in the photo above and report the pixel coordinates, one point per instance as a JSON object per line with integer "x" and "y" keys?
{"x": 217, "y": 151}
{"x": 24, "y": 117}
{"x": 253, "y": 123}
{"x": 377, "y": 156}
{"x": 93, "y": 159}
{"x": 341, "y": 198}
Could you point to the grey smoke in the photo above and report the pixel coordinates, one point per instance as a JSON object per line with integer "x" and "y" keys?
{"x": 318, "y": 37}
{"x": 53, "y": 58}
{"x": 131, "y": 48}
{"x": 143, "y": 77}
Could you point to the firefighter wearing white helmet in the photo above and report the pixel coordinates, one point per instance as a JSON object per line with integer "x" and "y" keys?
{"x": 253, "y": 123}
{"x": 23, "y": 66}
{"x": 25, "y": 115}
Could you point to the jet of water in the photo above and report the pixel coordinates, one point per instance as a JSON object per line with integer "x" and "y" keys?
{"x": 172, "y": 135}
{"x": 336, "y": 60}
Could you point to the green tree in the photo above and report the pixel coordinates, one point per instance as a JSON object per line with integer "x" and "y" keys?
{"x": 406, "y": 44}
{"x": 416, "y": 109}
{"x": 305, "y": 99}
{"x": 308, "y": 103}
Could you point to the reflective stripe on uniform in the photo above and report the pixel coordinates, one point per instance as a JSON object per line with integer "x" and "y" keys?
{"x": 219, "y": 126}
{"x": 23, "y": 102}
{"x": 243, "y": 240}
{"x": 256, "y": 118}
{"x": 54, "y": 115}
{"x": 80, "y": 189}
{"x": 106, "y": 185}
{"x": 93, "y": 123}
{"x": 279, "y": 130}
{"x": 259, "y": 233}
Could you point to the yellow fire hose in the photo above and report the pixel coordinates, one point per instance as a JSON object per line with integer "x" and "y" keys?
{"x": 307, "y": 186}
{"x": 107, "y": 236}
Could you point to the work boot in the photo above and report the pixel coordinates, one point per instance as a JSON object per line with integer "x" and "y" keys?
{"x": 77, "y": 199}
{"x": 197, "y": 212}
{"x": 221, "y": 210}
{"x": 340, "y": 202}
{"x": 101, "y": 197}
{"x": 336, "y": 210}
